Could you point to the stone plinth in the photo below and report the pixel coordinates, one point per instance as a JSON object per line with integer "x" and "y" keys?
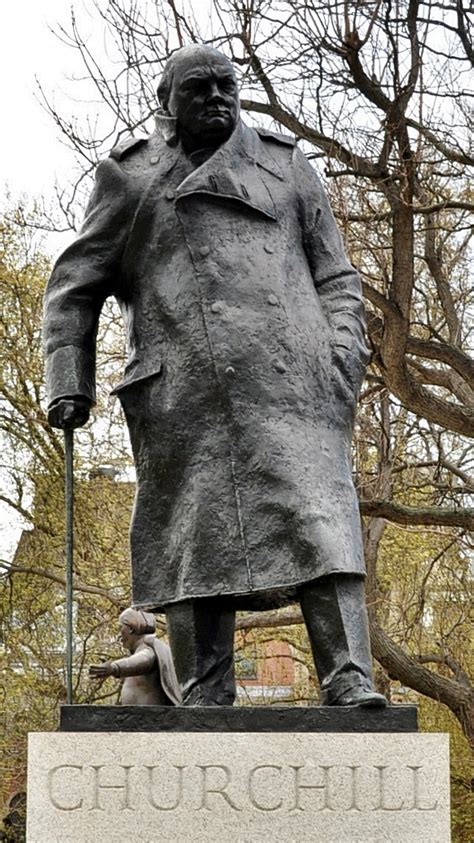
{"x": 237, "y": 786}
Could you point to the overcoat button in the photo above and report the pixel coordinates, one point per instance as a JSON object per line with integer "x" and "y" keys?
{"x": 204, "y": 250}
{"x": 230, "y": 371}
{"x": 272, "y": 299}
{"x": 154, "y": 160}
{"x": 280, "y": 367}
{"x": 269, "y": 249}
{"x": 170, "y": 194}
{"x": 216, "y": 307}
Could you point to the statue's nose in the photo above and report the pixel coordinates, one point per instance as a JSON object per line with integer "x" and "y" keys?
{"x": 214, "y": 92}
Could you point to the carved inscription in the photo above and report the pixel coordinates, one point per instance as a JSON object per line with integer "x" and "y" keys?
{"x": 321, "y": 787}
{"x": 418, "y": 802}
{"x": 153, "y": 789}
{"x": 217, "y": 787}
{"x": 99, "y": 785}
{"x": 74, "y": 784}
{"x": 257, "y": 777}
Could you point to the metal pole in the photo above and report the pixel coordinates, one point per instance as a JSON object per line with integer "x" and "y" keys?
{"x": 69, "y": 494}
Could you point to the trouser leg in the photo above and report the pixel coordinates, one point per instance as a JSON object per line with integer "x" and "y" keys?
{"x": 201, "y": 635}
{"x": 336, "y": 619}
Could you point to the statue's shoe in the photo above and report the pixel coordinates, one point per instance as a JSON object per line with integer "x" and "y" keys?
{"x": 361, "y": 696}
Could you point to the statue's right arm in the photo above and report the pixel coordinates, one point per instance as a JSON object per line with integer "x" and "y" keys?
{"x": 83, "y": 277}
{"x": 138, "y": 664}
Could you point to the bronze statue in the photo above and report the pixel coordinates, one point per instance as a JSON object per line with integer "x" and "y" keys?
{"x": 148, "y": 673}
{"x": 246, "y": 352}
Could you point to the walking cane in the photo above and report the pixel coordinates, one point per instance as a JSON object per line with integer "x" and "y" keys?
{"x": 69, "y": 495}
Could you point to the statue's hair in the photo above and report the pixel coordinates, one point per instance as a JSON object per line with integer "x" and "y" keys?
{"x": 140, "y": 622}
{"x": 166, "y": 81}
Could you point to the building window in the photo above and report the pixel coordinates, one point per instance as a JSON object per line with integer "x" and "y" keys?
{"x": 246, "y": 666}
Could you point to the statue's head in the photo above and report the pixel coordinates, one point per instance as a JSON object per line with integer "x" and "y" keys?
{"x": 199, "y": 89}
{"x": 134, "y": 623}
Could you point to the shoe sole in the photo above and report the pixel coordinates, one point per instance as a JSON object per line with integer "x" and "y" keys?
{"x": 371, "y": 704}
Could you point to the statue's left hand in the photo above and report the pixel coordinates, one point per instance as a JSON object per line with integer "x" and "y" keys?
{"x": 349, "y": 368}
{"x": 98, "y": 671}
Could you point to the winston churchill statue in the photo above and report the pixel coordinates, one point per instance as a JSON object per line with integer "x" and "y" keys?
{"x": 246, "y": 351}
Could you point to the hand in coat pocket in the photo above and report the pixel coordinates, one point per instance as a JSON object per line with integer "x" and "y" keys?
{"x": 347, "y": 374}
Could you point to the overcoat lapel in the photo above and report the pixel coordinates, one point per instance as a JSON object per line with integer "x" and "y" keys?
{"x": 234, "y": 172}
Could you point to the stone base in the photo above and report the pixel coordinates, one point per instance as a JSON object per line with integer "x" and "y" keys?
{"x": 238, "y": 787}
{"x": 260, "y": 718}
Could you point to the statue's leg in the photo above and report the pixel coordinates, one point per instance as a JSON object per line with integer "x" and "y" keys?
{"x": 336, "y": 619}
{"x": 201, "y": 635}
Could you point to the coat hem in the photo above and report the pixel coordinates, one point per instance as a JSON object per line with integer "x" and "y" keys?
{"x": 264, "y": 598}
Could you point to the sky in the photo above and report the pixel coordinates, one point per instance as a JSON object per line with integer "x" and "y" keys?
{"x": 30, "y": 152}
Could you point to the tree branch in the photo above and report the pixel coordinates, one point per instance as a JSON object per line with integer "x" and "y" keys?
{"x": 444, "y": 658}
{"x": 421, "y": 515}
{"x": 50, "y": 575}
{"x": 334, "y": 148}
{"x": 460, "y": 157}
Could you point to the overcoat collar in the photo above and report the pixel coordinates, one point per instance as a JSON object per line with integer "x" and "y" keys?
{"x": 233, "y": 171}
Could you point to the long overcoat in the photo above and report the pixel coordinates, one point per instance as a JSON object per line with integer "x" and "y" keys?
{"x": 246, "y": 350}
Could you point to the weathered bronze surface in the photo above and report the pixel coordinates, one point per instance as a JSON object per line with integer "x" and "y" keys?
{"x": 240, "y": 718}
{"x": 246, "y": 352}
{"x": 148, "y": 673}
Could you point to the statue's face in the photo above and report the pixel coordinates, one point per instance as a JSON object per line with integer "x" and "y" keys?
{"x": 204, "y": 98}
{"x": 126, "y": 634}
